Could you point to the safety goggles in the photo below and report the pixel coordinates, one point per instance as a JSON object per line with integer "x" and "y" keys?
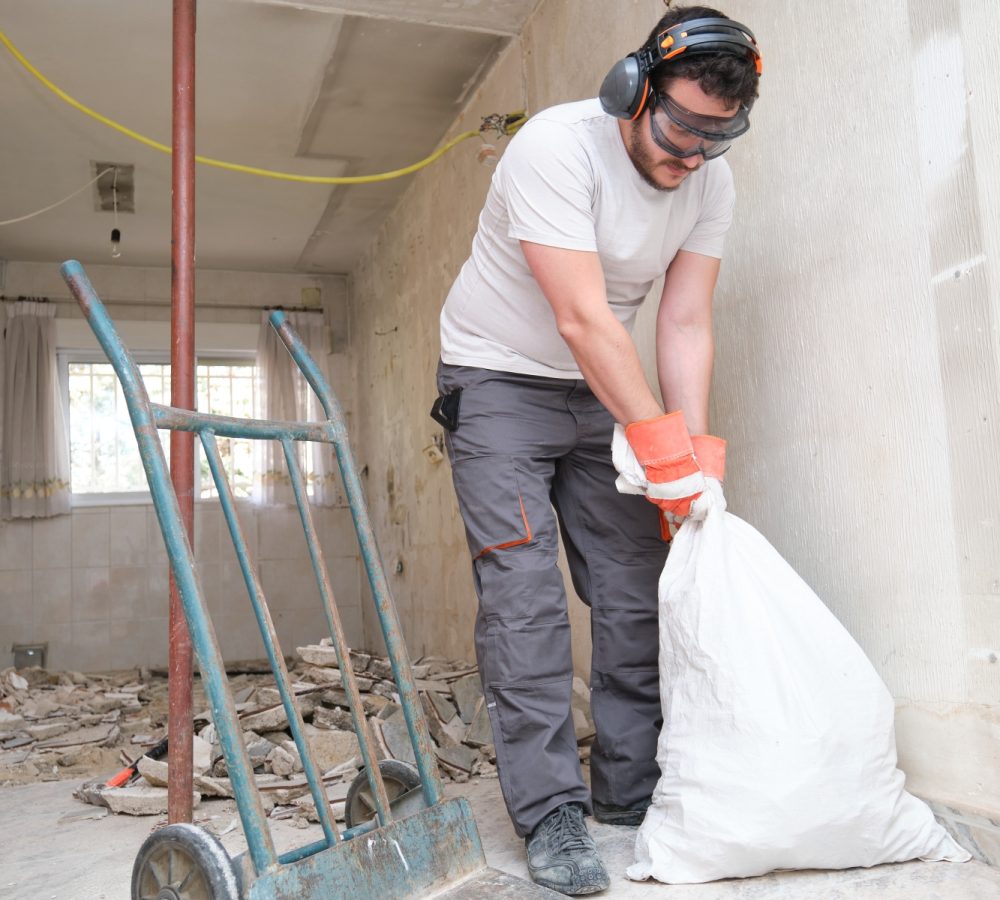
{"x": 683, "y": 133}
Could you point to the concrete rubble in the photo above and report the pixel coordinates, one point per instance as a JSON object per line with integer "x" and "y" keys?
{"x": 56, "y": 726}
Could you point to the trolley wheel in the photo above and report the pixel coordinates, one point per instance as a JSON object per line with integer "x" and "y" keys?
{"x": 398, "y": 777}
{"x": 183, "y": 862}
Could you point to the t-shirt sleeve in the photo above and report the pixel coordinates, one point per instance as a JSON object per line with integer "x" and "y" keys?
{"x": 547, "y": 181}
{"x": 709, "y": 233}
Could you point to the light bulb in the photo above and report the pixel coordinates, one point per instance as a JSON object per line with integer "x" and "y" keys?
{"x": 116, "y": 239}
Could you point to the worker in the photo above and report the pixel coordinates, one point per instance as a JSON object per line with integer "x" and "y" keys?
{"x": 590, "y": 204}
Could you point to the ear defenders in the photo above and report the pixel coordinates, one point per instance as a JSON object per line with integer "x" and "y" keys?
{"x": 625, "y": 89}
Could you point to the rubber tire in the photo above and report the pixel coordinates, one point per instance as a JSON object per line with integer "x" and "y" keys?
{"x": 186, "y": 862}
{"x": 399, "y": 777}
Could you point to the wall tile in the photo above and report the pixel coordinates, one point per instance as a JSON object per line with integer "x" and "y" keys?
{"x": 138, "y": 642}
{"x": 239, "y": 638}
{"x": 298, "y": 627}
{"x": 248, "y": 516}
{"x": 52, "y": 542}
{"x": 127, "y": 593}
{"x": 351, "y": 619}
{"x": 234, "y": 598}
{"x": 207, "y": 523}
{"x": 91, "y": 538}
{"x": 157, "y": 591}
{"x": 290, "y": 584}
{"x": 52, "y": 596}
{"x": 156, "y": 642}
{"x": 91, "y": 595}
{"x": 113, "y": 604}
{"x": 127, "y": 536}
{"x": 156, "y": 551}
{"x": 337, "y": 535}
{"x": 16, "y": 619}
{"x": 281, "y": 535}
{"x": 15, "y": 545}
{"x": 91, "y": 646}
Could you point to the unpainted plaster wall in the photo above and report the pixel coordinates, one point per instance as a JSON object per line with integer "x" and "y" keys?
{"x": 858, "y": 376}
{"x": 93, "y": 585}
{"x": 857, "y": 367}
{"x": 857, "y": 362}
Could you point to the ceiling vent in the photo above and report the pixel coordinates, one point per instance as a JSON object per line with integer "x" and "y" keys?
{"x": 115, "y": 187}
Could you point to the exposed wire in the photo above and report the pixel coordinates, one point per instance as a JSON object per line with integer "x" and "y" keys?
{"x": 511, "y": 122}
{"x": 38, "y": 212}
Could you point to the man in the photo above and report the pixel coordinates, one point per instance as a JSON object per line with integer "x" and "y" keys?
{"x": 591, "y": 203}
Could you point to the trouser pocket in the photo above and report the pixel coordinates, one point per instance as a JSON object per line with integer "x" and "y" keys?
{"x": 491, "y": 504}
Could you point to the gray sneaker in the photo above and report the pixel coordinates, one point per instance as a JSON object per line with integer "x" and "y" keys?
{"x": 562, "y": 855}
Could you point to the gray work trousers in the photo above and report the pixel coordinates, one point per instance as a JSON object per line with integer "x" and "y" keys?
{"x": 531, "y": 455}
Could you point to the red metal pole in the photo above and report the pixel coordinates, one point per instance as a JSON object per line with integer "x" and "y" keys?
{"x": 182, "y": 381}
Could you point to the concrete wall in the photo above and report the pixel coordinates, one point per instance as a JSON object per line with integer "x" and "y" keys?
{"x": 93, "y": 584}
{"x": 857, "y": 375}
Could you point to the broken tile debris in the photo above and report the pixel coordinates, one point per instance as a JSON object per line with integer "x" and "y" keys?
{"x": 59, "y": 725}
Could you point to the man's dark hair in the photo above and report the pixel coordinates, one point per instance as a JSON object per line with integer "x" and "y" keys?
{"x": 724, "y": 75}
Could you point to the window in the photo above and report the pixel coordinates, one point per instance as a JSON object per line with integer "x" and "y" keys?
{"x": 104, "y": 458}
{"x": 227, "y": 388}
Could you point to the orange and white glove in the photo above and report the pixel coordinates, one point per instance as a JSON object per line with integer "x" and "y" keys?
{"x": 710, "y": 452}
{"x": 674, "y": 479}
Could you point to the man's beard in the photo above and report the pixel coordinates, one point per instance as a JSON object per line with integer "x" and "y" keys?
{"x": 645, "y": 165}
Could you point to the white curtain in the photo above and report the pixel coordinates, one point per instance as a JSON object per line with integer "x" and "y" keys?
{"x": 283, "y": 394}
{"x": 34, "y": 461}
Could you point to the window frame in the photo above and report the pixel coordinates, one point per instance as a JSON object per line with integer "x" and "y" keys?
{"x": 67, "y": 355}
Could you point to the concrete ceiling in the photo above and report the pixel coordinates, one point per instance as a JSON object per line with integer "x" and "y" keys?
{"x": 326, "y": 87}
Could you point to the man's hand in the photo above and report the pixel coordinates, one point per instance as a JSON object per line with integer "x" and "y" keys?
{"x": 710, "y": 452}
{"x": 663, "y": 447}
{"x": 708, "y": 455}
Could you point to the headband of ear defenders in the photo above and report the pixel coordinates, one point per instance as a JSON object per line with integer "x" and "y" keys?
{"x": 626, "y": 87}
{"x": 701, "y": 36}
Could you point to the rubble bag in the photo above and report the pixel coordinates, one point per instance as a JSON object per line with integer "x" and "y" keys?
{"x": 777, "y": 749}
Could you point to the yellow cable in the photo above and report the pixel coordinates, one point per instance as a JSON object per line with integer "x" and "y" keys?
{"x": 512, "y": 122}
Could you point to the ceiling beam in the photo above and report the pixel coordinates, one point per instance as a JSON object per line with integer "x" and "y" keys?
{"x": 500, "y": 17}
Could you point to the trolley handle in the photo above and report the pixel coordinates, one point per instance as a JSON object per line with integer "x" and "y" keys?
{"x": 307, "y": 366}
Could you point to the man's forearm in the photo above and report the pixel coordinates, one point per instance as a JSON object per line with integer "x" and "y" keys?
{"x": 573, "y": 283}
{"x": 610, "y": 364}
{"x": 684, "y": 363}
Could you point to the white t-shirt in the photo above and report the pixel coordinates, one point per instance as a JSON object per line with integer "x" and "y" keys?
{"x": 567, "y": 181}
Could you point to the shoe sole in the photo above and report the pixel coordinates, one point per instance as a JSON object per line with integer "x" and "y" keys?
{"x": 586, "y": 889}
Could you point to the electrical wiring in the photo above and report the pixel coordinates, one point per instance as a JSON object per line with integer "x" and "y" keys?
{"x": 38, "y": 212}
{"x": 508, "y": 125}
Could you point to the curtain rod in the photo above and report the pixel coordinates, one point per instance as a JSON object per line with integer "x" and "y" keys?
{"x": 233, "y": 306}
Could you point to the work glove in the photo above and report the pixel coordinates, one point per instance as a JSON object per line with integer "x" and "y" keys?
{"x": 709, "y": 456}
{"x": 710, "y": 453}
{"x": 673, "y": 479}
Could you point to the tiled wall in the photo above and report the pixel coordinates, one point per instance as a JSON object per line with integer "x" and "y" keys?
{"x": 93, "y": 585}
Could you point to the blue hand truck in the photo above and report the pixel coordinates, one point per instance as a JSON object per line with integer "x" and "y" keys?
{"x": 421, "y": 844}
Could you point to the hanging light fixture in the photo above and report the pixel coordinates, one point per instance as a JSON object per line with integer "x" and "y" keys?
{"x": 116, "y": 234}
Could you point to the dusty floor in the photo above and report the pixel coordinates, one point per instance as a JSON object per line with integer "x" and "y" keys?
{"x": 56, "y": 848}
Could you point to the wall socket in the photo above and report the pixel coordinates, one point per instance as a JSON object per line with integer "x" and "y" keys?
{"x": 26, "y": 655}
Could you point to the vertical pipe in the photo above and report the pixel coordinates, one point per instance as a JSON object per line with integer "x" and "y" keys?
{"x": 181, "y": 395}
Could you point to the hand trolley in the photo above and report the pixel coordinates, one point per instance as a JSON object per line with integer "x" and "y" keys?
{"x": 421, "y": 846}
